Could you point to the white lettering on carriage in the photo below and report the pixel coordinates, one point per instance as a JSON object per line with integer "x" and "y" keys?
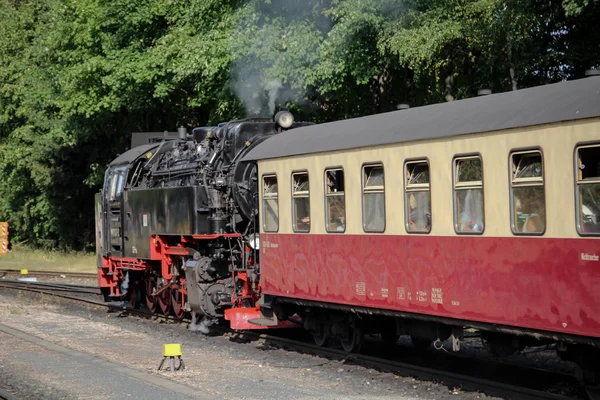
{"x": 437, "y": 297}
{"x": 361, "y": 288}
{"x": 589, "y": 257}
{"x": 400, "y": 293}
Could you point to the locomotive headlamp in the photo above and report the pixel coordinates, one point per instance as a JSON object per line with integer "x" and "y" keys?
{"x": 254, "y": 241}
{"x": 284, "y": 119}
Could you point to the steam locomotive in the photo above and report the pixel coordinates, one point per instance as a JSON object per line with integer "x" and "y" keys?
{"x": 176, "y": 221}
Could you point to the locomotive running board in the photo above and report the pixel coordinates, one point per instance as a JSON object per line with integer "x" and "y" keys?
{"x": 251, "y": 318}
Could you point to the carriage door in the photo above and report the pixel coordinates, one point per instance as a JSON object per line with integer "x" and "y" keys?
{"x": 113, "y": 206}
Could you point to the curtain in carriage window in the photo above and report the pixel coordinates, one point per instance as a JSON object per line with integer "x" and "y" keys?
{"x": 468, "y": 195}
{"x": 270, "y": 209}
{"x": 528, "y": 201}
{"x": 373, "y": 194}
{"x": 335, "y": 200}
{"x": 587, "y": 165}
{"x": 417, "y": 198}
{"x": 300, "y": 202}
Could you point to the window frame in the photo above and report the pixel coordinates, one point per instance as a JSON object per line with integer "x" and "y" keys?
{"x": 263, "y": 176}
{"x": 526, "y": 182}
{"x": 362, "y": 194}
{"x": 326, "y": 195}
{"x": 466, "y": 186}
{"x": 577, "y": 182}
{"x": 294, "y": 228}
{"x": 418, "y": 187}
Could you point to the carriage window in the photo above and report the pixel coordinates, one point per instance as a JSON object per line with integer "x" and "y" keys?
{"x": 270, "y": 204}
{"x": 528, "y": 206}
{"x": 300, "y": 202}
{"x": 373, "y": 204}
{"x": 335, "y": 201}
{"x": 417, "y": 197}
{"x": 468, "y": 195}
{"x": 588, "y": 190}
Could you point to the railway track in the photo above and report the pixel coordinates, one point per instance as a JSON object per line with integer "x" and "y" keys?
{"x": 453, "y": 371}
{"x": 90, "y": 275}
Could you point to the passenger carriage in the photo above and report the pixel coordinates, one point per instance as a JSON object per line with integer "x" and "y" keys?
{"x": 477, "y": 213}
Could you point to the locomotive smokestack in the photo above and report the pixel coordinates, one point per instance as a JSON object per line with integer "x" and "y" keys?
{"x": 182, "y": 132}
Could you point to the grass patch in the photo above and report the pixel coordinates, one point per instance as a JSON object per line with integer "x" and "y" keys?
{"x": 21, "y": 257}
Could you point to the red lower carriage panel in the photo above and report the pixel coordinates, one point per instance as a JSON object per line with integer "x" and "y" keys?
{"x": 537, "y": 283}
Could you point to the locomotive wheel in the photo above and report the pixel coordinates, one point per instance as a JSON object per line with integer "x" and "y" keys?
{"x": 321, "y": 337}
{"x": 420, "y": 343}
{"x": 151, "y": 301}
{"x": 164, "y": 301}
{"x": 135, "y": 296}
{"x": 354, "y": 339}
{"x": 176, "y": 300}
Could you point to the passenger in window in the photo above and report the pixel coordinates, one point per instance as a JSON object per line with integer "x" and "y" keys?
{"x": 337, "y": 221}
{"x": 529, "y": 210}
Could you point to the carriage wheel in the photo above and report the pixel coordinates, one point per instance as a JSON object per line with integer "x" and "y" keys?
{"x": 151, "y": 301}
{"x": 177, "y": 299}
{"x": 164, "y": 301}
{"x": 135, "y": 296}
{"x": 353, "y": 340}
{"x": 321, "y": 337}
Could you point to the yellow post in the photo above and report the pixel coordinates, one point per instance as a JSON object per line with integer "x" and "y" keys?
{"x": 3, "y": 238}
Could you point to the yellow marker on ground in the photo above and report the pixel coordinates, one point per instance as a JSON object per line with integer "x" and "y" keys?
{"x": 24, "y": 272}
{"x": 171, "y": 351}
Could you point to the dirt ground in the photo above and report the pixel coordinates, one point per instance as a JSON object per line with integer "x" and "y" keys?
{"x": 219, "y": 367}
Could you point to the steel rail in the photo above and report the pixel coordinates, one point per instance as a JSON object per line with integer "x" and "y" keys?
{"x": 404, "y": 368}
{"x": 6, "y": 396}
{"x": 49, "y": 273}
{"x": 56, "y": 286}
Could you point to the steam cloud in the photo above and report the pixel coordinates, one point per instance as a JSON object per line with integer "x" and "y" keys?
{"x": 253, "y": 82}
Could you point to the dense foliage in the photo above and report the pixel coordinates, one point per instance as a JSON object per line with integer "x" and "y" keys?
{"x": 78, "y": 76}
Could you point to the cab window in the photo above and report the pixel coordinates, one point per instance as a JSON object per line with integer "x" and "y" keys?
{"x": 116, "y": 183}
{"x": 588, "y": 190}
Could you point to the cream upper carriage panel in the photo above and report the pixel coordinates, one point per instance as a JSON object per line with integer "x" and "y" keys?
{"x": 553, "y": 118}
{"x": 556, "y": 141}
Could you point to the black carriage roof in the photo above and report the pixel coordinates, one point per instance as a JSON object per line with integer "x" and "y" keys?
{"x": 557, "y": 102}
